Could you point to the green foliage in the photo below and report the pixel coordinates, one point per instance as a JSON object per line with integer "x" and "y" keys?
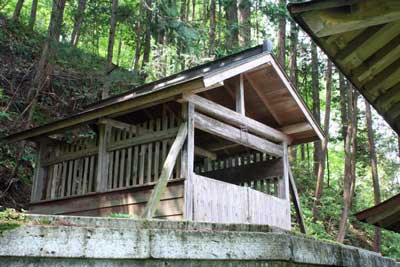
{"x": 124, "y": 216}
{"x": 11, "y": 219}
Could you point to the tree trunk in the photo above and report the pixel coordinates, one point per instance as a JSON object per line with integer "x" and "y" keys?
{"x": 374, "y": 171}
{"x": 119, "y": 50}
{"x": 349, "y": 175}
{"x": 147, "y": 37}
{"x": 244, "y": 22}
{"x": 17, "y": 10}
{"x": 282, "y": 35}
{"x": 110, "y": 48}
{"x": 138, "y": 40}
{"x": 193, "y": 10}
{"x": 78, "y": 19}
{"x": 343, "y": 105}
{"x": 32, "y": 18}
{"x": 44, "y": 68}
{"x": 231, "y": 39}
{"x": 316, "y": 104}
{"x": 321, "y": 165}
{"x": 212, "y": 27}
{"x": 293, "y": 73}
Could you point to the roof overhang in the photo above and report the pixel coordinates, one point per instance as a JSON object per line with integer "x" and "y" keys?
{"x": 385, "y": 215}
{"x": 255, "y": 62}
{"x": 362, "y": 38}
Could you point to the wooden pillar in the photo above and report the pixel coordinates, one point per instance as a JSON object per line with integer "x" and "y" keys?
{"x": 187, "y": 159}
{"x": 240, "y": 96}
{"x": 40, "y": 172}
{"x": 102, "y": 157}
{"x": 284, "y": 182}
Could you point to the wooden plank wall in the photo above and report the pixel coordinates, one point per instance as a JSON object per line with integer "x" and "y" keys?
{"x": 269, "y": 185}
{"x": 134, "y": 159}
{"x": 216, "y": 201}
{"x": 129, "y": 201}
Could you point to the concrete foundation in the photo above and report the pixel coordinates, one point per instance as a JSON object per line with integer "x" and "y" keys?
{"x": 84, "y": 241}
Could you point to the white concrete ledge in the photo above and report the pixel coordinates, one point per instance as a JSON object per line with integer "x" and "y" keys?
{"x": 72, "y": 241}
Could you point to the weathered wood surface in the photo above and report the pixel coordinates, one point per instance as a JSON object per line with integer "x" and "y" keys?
{"x": 239, "y": 120}
{"x": 166, "y": 172}
{"x": 131, "y": 200}
{"x": 296, "y": 203}
{"x": 127, "y": 158}
{"x": 233, "y": 134}
{"x": 216, "y": 201}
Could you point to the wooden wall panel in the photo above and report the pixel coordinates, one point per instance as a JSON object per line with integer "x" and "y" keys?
{"x": 220, "y": 202}
{"x": 132, "y": 200}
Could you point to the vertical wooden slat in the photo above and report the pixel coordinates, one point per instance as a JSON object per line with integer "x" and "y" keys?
{"x": 116, "y": 160}
{"x": 135, "y": 165}
{"x": 187, "y": 159}
{"x": 85, "y": 176}
{"x": 122, "y": 163}
{"x": 92, "y": 172}
{"x": 149, "y": 154}
{"x": 142, "y": 155}
{"x": 102, "y": 157}
{"x": 284, "y": 181}
{"x": 64, "y": 178}
{"x": 70, "y": 177}
{"x": 128, "y": 173}
{"x": 157, "y": 152}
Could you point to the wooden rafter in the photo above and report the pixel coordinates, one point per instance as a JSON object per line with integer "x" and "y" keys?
{"x": 378, "y": 61}
{"x": 265, "y": 101}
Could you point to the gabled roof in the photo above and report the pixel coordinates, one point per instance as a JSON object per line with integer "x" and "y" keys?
{"x": 262, "y": 69}
{"x": 385, "y": 214}
{"x": 362, "y": 38}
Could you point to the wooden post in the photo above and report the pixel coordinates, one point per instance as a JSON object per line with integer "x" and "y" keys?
{"x": 296, "y": 202}
{"x": 240, "y": 96}
{"x": 284, "y": 181}
{"x": 102, "y": 157}
{"x": 40, "y": 172}
{"x": 187, "y": 159}
{"x": 166, "y": 172}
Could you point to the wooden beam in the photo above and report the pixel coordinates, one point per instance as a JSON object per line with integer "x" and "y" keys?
{"x": 265, "y": 101}
{"x": 284, "y": 182}
{"x": 365, "y": 14}
{"x": 119, "y": 106}
{"x": 249, "y": 172}
{"x": 240, "y": 108}
{"x": 118, "y": 124}
{"x": 217, "y": 85}
{"x": 383, "y": 81}
{"x": 166, "y": 172}
{"x": 237, "y": 68}
{"x": 40, "y": 172}
{"x": 378, "y": 61}
{"x": 312, "y": 6}
{"x": 296, "y": 203}
{"x": 233, "y": 134}
{"x": 104, "y": 136}
{"x": 204, "y": 153}
{"x": 187, "y": 159}
{"x": 234, "y": 118}
{"x": 296, "y": 128}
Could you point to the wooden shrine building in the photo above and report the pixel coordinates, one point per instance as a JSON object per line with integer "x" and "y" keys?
{"x": 207, "y": 144}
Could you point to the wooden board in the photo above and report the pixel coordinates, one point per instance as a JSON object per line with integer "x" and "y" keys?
{"x": 133, "y": 199}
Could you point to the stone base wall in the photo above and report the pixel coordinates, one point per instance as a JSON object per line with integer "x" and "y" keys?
{"x": 80, "y": 241}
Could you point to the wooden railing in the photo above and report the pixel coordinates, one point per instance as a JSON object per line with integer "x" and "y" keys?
{"x": 259, "y": 171}
{"x": 217, "y": 201}
{"x": 135, "y": 158}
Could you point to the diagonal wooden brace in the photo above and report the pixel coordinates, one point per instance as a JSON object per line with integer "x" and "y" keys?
{"x": 166, "y": 172}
